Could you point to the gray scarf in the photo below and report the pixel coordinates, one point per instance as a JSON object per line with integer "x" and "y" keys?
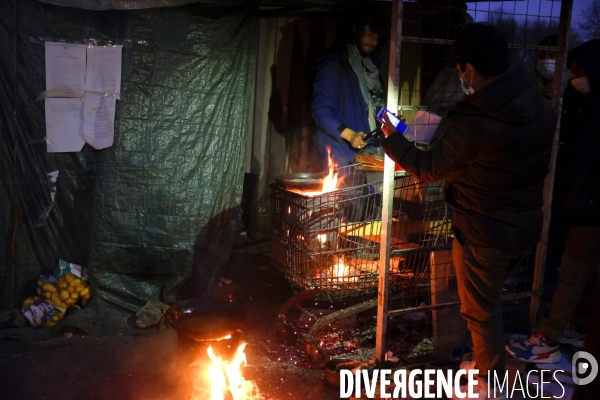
{"x": 368, "y": 79}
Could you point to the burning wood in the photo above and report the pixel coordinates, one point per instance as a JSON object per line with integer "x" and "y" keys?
{"x": 350, "y": 271}
{"x": 225, "y": 378}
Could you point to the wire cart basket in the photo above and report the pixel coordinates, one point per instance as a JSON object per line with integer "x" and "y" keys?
{"x": 329, "y": 244}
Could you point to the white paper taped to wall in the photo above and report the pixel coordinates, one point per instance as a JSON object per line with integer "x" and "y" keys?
{"x": 99, "y": 120}
{"x": 65, "y": 69}
{"x": 104, "y": 69}
{"x": 64, "y": 124}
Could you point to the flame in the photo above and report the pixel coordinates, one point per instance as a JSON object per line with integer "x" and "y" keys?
{"x": 341, "y": 268}
{"x": 322, "y": 237}
{"x": 329, "y": 184}
{"x": 331, "y": 180}
{"x": 226, "y": 377}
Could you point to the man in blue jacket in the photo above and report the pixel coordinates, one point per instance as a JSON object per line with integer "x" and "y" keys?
{"x": 348, "y": 93}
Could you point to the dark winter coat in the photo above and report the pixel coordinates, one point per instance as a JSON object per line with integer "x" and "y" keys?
{"x": 577, "y": 181}
{"x": 494, "y": 157}
{"x": 338, "y": 103}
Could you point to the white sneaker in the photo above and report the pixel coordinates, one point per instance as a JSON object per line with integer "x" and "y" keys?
{"x": 481, "y": 392}
{"x": 572, "y": 337}
{"x": 537, "y": 349}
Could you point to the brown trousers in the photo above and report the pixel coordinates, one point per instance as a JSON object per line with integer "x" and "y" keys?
{"x": 576, "y": 291}
{"x": 481, "y": 272}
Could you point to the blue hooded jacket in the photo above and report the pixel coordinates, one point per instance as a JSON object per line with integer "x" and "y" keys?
{"x": 337, "y": 103}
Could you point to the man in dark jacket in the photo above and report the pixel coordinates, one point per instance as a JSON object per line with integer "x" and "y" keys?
{"x": 494, "y": 157}
{"x": 576, "y": 207}
{"x": 348, "y": 92}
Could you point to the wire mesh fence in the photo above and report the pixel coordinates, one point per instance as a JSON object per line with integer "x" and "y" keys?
{"x": 331, "y": 242}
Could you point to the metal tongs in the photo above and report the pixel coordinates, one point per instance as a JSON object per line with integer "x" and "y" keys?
{"x": 373, "y": 134}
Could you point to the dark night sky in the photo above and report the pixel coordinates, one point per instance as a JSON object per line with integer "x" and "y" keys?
{"x": 543, "y": 9}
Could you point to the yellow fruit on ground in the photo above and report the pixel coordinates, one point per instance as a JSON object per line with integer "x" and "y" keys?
{"x": 48, "y": 287}
{"x": 27, "y": 302}
{"x": 55, "y": 318}
{"x": 71, "y": 290}
{"x": 69, "y": 278}
{"x": 79, "y": 288}
{"x": 56, "y": 299}
{"x": 60, "y": 315}
{"x": 64, "y": 295}
{"x": 70, "y": 301}
{"x": 86, "y": 296}
{"x": 41, "y": 282}
{"x": 75, "y": 282}
{"x": 62, "y": 284}
{"x": 84, "y": 291}
{"x": 49, "y": 324}
{"x": 47, "y": 295}
{"x": 74, "y": 295}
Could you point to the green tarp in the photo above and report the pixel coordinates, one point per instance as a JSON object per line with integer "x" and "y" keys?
{"x": 160, "y": 205}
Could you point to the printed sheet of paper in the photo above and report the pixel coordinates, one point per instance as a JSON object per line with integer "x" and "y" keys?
{"x": 103, "y": 69}
{"x": 64, "y": 124}
{"x": 65, "y": 69}
{"x": 99, "y": 120}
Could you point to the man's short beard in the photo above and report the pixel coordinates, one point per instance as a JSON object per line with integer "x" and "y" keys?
{"x": 363, "y": 52}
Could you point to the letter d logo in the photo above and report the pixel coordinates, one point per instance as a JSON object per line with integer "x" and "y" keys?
{"x": 581, "y": 367}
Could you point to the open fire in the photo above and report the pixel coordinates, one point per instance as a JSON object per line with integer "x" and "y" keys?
{"x": 225, "y": 379}
{"x": 330, "y": 182}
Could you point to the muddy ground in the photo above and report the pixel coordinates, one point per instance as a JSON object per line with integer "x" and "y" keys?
{"x": 73, "y": 365}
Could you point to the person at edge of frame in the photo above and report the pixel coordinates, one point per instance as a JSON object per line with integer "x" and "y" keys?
{"x": 546, "y": 65}
{"x": 494, "y": 157}
{"x": 576, "y": 210}
{"x": 348, "y": 91}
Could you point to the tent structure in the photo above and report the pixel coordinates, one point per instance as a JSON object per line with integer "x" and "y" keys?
{"x": 154, "y": 215}
{"x": 210, "y": 91}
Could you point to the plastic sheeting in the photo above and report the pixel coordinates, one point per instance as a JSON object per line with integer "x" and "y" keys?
{"x": 153, "y": 215}
{"x": 141, "y": 4}
{"x": 136, "y": 4}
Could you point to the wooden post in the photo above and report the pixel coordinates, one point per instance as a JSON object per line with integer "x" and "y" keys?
{"x": 566, "y": 10}
{"x": 388, "y": 186}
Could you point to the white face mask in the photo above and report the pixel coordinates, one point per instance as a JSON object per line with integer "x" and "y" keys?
{"x": 582, "y": 85}
{"x": 468, "y": 91}
{"x": 546, "y": 67}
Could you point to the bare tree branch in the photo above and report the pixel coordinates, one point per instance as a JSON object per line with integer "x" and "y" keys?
{"x": 591, "y": 20}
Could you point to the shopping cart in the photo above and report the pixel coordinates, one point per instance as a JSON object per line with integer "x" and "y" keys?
{"x": 328, "y": 245}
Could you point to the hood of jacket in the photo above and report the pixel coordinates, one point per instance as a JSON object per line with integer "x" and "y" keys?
{"x": 512, "y": 98}
{"x": 588, "y": 54}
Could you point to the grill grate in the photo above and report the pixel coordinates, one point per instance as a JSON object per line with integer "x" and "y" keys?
{"x": 331, "y": 241}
